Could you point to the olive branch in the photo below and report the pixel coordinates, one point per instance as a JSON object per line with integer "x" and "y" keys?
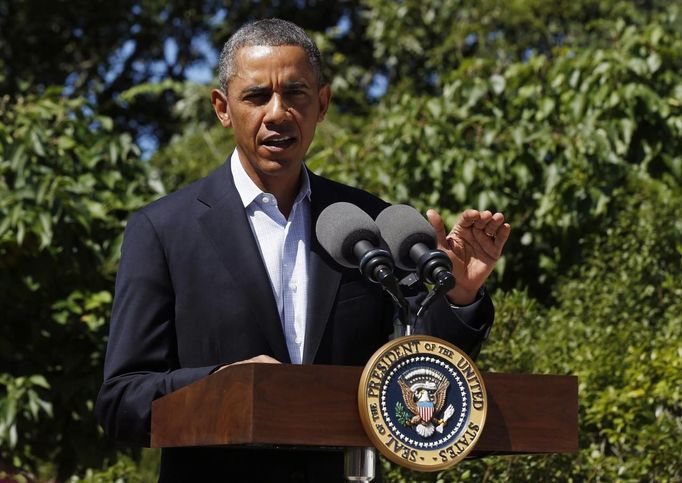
{"x": 401, "y": 414}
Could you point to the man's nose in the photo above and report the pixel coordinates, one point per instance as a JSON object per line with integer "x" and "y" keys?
{"x": 277, "y": 111}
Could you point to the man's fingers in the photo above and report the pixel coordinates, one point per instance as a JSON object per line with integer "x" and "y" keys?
{"x": 488, "y": 229}
{"x": 502, "y": 235}
{"x": 494, "y": 224}
{"x": 484, "y": 219}
{"x": 487, "y": 244}
{"x": 492, "y": 245}
{"x": 438, "y": 225}
{"x": 468, "y": 218}
{"x": 261, "y": 359}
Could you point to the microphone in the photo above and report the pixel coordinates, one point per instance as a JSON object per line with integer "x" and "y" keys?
{"x": 412, "y": 241}
{"x": 353, "y": 240}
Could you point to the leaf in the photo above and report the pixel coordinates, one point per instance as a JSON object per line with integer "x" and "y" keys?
{"x": 498, "y": 83}
{"x": 654, "y": 62}
{"x": 39, "y": 380}
{"x": 106, "y": 122}
{"x": 37, "y": 144}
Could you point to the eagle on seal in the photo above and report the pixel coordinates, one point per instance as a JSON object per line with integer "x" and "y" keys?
{"x": 424, "y": 404}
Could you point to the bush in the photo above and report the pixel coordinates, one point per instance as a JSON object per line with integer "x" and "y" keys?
{"x": 67, "y": 184}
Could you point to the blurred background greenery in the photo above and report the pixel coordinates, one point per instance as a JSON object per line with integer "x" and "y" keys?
{"x": 565, "y": 115}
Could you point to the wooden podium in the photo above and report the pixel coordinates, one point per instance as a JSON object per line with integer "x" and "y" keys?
{"x": 316, "y": 406}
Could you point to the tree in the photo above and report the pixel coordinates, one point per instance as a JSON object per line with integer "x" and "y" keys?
{"x": 68, "y": 182}
{"x": 100, "y": 50}
{"x": 416, "y": 43}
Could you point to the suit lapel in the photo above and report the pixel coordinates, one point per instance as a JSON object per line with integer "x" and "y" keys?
{"x": 323, "y": 280}
{"x": 227, "y": 226}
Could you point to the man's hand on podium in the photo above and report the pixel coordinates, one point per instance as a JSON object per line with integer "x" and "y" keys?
{"x": 261, "y": 359}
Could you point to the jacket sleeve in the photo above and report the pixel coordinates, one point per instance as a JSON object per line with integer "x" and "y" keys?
{"x": 141, "y": 362}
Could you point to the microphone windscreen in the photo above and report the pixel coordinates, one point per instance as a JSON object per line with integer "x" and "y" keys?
{"x": 401, "y": 228}
{"x": 340, "y": 226}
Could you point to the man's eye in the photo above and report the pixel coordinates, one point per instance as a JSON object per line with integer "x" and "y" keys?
{"x": 259, "y": 98}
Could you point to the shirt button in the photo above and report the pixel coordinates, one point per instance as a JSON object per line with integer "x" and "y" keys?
{"x": 298, "y": 341}
{"x": 265, "y": 200}
{"x": 293, "y": 287}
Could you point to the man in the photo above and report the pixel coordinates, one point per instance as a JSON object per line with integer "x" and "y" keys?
{"x": 229, "y": 270}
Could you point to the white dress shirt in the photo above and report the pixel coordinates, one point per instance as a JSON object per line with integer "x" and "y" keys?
{"x": 284, "y": 245}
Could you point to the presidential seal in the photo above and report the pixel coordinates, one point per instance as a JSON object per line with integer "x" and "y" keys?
{"x": 422, "y": 402}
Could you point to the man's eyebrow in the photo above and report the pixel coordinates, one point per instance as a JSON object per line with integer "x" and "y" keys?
{"x": 295, "y": 85}
{"x": 266, "y": 90}
{"x": 255, "y": 90}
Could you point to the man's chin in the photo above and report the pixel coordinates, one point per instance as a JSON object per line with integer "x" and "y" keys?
{"x": 279, "y": 166}
{"x": 281, "y": 160}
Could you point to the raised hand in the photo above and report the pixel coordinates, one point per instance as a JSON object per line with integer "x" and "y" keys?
{"x": 473, "y": 245}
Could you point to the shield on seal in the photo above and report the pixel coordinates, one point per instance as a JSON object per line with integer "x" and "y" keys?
{"x": 425, "y": 410}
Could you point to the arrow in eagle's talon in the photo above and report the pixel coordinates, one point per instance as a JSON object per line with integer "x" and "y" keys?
{"x": 448, "y": 414}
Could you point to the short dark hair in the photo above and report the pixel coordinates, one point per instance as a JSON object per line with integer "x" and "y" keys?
{"x": 273, "y": 32}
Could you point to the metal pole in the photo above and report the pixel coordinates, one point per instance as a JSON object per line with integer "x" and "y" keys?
{"x": 400, "y": 330}
{"x": 359, "y": 464}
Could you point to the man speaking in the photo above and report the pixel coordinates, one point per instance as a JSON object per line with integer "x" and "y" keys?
{"x": 229, "y": 268}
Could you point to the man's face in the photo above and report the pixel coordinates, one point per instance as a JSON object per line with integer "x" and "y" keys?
{"x": 273, "y": 104}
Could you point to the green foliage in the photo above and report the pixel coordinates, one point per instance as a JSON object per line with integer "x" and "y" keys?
{"x": 202, "y": 146}
{"x": 417, "y": 43}
{"x": 545, "y": 141}
{"x": 67, "y": 184}
{"x": 124, "y": 470}
{"x": 22, "y": 401}
{"x": 100, "y": 49}
{"x": 627, "y": 355}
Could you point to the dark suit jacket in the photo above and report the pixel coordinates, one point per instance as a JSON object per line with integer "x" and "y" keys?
{"x": 192, "y": 294}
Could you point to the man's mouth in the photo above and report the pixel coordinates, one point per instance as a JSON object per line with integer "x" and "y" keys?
{"x": 279, "y": 142}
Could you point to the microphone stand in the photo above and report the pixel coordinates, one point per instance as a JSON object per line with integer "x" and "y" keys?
{"x": 376, "y": 264}
{"x": 445, "y": 282}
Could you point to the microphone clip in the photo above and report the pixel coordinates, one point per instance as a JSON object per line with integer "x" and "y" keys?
{"x": 373, "y": 265}
{"x": 431, "y": 269}
{"x": 431, "y": 264}
{"x": 376, "y": 264}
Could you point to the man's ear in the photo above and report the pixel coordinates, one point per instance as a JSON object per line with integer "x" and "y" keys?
{"x": 324, "y": 97}
{"x": 220, "y": 106}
